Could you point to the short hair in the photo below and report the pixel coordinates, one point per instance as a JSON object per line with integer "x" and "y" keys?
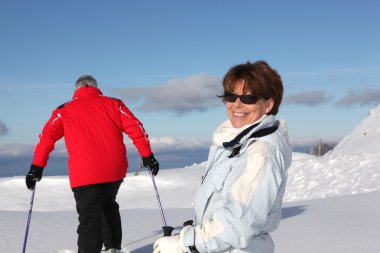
{"x": 86, "y": 80}
{"x": 257, "y": 78}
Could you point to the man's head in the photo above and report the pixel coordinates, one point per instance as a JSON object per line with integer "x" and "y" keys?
{"x": 86, "y": 80}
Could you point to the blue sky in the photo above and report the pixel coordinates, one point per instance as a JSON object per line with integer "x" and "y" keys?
{"x": 165, "y": 59}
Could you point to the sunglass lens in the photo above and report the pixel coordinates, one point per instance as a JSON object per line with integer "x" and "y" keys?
{"x": 249, "y": 99}
{"x": 245, "y": 99}
{"x": 230, "y": 97}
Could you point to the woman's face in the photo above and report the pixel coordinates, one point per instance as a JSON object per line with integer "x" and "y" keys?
{"x": 241, "y": 114}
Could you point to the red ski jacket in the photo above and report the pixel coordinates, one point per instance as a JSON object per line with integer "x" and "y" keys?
{"x": 92, "y": 126}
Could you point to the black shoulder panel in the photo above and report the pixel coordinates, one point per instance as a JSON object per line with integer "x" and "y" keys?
{"x": 61, "y": 106}
{"x": 115, "y": 99}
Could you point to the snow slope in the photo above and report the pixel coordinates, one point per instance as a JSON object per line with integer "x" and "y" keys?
{"x": 331, "y": 203}
{"x": 348, "y": 223}
{"x": 364, "y": 139}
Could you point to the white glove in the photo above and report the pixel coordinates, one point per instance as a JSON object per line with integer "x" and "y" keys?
{"x": 171, "y": 244}
{"x": 168, "y": 244}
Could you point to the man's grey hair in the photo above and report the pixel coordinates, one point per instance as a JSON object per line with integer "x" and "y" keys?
{"x": 86, "y": 80}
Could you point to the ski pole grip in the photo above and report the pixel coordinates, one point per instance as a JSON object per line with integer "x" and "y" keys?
{"x": 167, "y": 230}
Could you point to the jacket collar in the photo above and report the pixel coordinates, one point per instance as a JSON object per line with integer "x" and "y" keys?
{"x": 86, "y": 91}
{"x": 226, "y": 132}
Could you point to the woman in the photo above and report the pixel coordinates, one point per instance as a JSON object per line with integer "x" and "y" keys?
{"x": 239, "y": 201}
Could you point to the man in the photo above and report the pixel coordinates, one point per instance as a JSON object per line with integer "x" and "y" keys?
{"x": 93, "y": 126}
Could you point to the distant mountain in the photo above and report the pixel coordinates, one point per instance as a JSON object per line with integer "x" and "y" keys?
{"x": 364, "y": 139}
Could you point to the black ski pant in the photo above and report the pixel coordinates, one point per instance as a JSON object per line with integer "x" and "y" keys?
{"x": 99, "y": 217}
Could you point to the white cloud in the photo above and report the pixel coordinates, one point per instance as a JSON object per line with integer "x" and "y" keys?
{"x": 309, "y": 98}
{"x": 16, "y": 149}
{"x": 168, "y": 143}
{"x": 362, "y": 97}
{"x": 193, "y": 93}
{"x": 311, "y": 140}
{"x": 304, "y": 141}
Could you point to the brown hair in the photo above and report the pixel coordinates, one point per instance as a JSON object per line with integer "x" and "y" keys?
{"x": 257, "y": 78}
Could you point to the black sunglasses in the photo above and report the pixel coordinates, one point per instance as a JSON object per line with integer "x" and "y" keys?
{"x": 248, "y": 99}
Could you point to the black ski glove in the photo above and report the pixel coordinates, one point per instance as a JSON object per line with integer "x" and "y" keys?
{"x": 34, "y": 175}
{"x": 151, "y": 163}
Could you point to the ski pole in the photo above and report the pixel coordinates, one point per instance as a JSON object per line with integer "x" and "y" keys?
{"x": 29, "y": 218}
{"x": 167, "y": 229}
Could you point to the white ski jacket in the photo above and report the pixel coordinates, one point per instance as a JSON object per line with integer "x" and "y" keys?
{"x": 240, "y": 198}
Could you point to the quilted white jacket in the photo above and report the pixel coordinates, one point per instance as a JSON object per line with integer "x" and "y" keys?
{"x": 240, "y": 198}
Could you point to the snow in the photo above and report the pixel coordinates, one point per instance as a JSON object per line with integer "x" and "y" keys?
{"x": 331, "y": 203}
{"x": 364, "y": 139}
